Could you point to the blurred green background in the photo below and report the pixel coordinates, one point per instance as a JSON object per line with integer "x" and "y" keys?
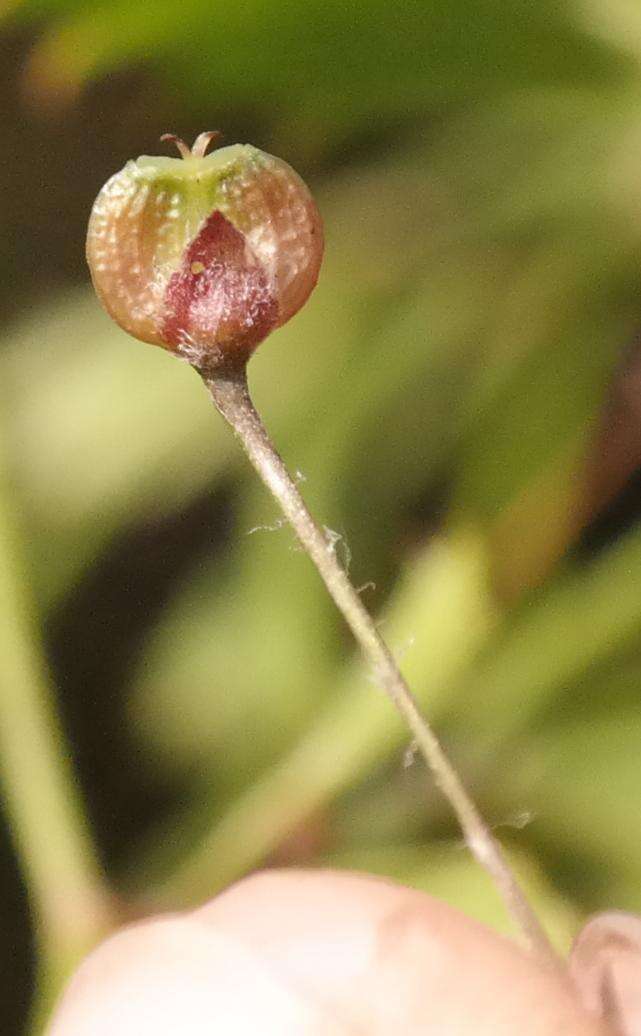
{"x": 462, "y": 397}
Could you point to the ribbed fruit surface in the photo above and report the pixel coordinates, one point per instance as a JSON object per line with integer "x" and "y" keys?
{"x": 205, "y": 255}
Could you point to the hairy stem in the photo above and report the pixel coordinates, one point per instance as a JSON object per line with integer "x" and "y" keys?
{"x": 230, "y": 393}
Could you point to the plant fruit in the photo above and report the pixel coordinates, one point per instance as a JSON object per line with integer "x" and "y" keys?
{"x": 205, "y": 254}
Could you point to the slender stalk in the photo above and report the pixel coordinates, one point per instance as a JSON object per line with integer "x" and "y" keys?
{"x": 71, "y": 904}
{"x": 230, "y": 393}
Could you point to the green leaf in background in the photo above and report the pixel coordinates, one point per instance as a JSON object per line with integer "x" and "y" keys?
{"x": 443, "y": 603}
{"x": 99, "y": 430}
{"x": 446, "y": 396}
{"x": 581, "y": 778}
{"x": 588, "y": 614}
{"x": 345, "y": 65}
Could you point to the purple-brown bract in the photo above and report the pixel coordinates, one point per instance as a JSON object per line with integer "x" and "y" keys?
{"x": 205, "y": 254}
{"x": 220, "y": 285}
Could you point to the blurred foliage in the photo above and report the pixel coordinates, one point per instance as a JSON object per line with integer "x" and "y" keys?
{"x": 462, "y": 399}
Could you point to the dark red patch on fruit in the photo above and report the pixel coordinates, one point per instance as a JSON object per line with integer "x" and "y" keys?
{"x": 220, "y": 296}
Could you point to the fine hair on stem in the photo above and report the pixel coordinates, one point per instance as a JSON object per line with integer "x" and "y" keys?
{"x": 229, "y": 390}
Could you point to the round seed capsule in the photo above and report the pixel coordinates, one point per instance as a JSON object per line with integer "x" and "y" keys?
{"x": 205, "y": 255}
